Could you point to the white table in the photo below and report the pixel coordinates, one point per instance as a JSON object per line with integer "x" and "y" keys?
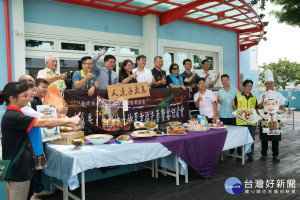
{"x": 65, "y": 163}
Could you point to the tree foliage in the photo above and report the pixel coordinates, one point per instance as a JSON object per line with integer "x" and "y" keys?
{"x": 289, "y": 13}
{"x": 284, "y": 72}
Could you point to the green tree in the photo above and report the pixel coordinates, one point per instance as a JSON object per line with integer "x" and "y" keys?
{"x": 284, "y": 72}
{"x": 289, "y": 13}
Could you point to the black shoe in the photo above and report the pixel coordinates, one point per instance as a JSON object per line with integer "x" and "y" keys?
{"x": 238, "y": 159}
{"x": 276, "y": 159}
{"x": 250, "y": 159}
{"x": 263, "y": 157}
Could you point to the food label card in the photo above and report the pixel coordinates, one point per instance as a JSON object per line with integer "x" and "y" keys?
{"x": 48, "y": 133}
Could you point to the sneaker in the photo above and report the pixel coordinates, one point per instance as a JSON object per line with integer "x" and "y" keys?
{"x": 43, "y": 193}
{"x": 250, "y": 159}
{"x": 34, "y": 198}
{"x": 263, "y": 157}
{"x": 276, "y": 159}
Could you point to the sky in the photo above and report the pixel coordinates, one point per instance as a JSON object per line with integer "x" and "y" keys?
{"x": 283, "y": 40}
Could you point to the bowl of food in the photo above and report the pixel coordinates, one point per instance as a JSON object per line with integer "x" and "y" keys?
{"x": 98, "y": 138}
{"x": 174, "y": 123}
{"x": 150, "y": 125}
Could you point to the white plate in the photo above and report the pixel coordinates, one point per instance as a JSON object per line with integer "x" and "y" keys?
{"x": 141, "y": 134}
{"x": 212, "y": 127}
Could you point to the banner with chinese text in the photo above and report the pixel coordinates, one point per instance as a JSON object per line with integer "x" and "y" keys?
{"x": 162, "y": 106}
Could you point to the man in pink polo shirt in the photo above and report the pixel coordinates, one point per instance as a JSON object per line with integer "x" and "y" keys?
{"x": 205, "y": 100}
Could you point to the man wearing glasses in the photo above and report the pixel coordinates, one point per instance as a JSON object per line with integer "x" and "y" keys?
{"x": 85, "y": 79}
{"x": 105, "y": 75}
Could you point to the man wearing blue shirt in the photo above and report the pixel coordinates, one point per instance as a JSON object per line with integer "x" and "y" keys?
{"x": 105, "y": 75}
{"x": 85, "y": 79}
{"x": 226, "y": 100}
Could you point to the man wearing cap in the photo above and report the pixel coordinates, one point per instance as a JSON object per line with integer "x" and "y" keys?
{"x": 269, "y": 83}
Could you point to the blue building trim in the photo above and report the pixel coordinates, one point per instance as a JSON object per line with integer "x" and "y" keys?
{"x": 73, "y": 16}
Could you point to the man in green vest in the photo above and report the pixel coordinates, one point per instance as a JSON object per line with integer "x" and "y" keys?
{"x": 51, "y": 75}
{"x": 85, "y": 78}
{"x": 247, "y": 100}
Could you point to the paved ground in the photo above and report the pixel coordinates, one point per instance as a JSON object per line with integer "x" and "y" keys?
{"x": 140, "y": 185}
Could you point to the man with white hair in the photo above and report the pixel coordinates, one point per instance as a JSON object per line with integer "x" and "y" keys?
{"x": 265, "y": 138}
{"x": 51, "y": 75}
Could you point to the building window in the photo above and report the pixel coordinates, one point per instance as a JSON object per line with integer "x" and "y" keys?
{"x": 69, "y": 66}
{"x": 180, "y": 58}
{"x": 39, "y": 44}
{"x": 73, "y": 46}
{"x": 168, "y": 60}
{"x": 129, "y": 51}
{"x": 108, "y": 49}
{"x": 34, "y": 65}
{"x": 197, "y": 60}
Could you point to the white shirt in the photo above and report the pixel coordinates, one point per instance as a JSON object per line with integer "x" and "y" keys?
{"x": 143, "y": 76}
{"x": 280, "y": 98}
{"x": 205, "y": 105}
{"x": 209, "y": 79}
{"x": 28, "y": 111}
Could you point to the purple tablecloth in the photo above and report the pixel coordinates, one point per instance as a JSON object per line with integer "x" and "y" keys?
{"x": 200, "y": 150}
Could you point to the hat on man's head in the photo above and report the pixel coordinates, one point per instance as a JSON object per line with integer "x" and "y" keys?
{"x": 270, "y": 94}
{"x": 269, "y": 76}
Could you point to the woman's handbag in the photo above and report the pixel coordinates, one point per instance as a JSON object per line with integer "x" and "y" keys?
{"x": 6, "y": 171}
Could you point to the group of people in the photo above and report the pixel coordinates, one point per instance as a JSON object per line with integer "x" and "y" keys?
{"x": 21, "y": 135}
{"x": 92, "y": 77}
{"x": 230, "y": 99}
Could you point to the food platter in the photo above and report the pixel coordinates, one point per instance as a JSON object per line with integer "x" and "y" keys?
{"x": 143, "y": 133}
{"x": 198, "y": 128}
{"x": 174, "y": 123}
{"x": 176, "y": 130}
{"x": 246, "y": 115}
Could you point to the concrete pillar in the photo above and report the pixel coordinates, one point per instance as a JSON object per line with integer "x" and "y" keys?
{"x": 149, "y": 47}
{"x": 18, "y": 56}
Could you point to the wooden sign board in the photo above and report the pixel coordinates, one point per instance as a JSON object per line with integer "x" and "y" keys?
{"x": 128, "y": 91}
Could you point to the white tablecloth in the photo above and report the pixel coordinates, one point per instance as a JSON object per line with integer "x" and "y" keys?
{"x": 64, "y": 162}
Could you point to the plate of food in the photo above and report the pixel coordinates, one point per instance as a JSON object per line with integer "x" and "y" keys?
{"x": 122, "y": 139}
{"x": 160, "y": 133}
{"x": 174, "y": 123}
{"x": 176, "y": 130}
{"x": 143, "y": 133}
{"x": 150, "y": 125}
{"x": 198, "y": 128}
{"x": 139, "y": 125}
{"x": 247, "y": 115}
{"x": 193, "y": 121}
{"x": 66, "y": 129}
{"x": 217, "y": 126}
